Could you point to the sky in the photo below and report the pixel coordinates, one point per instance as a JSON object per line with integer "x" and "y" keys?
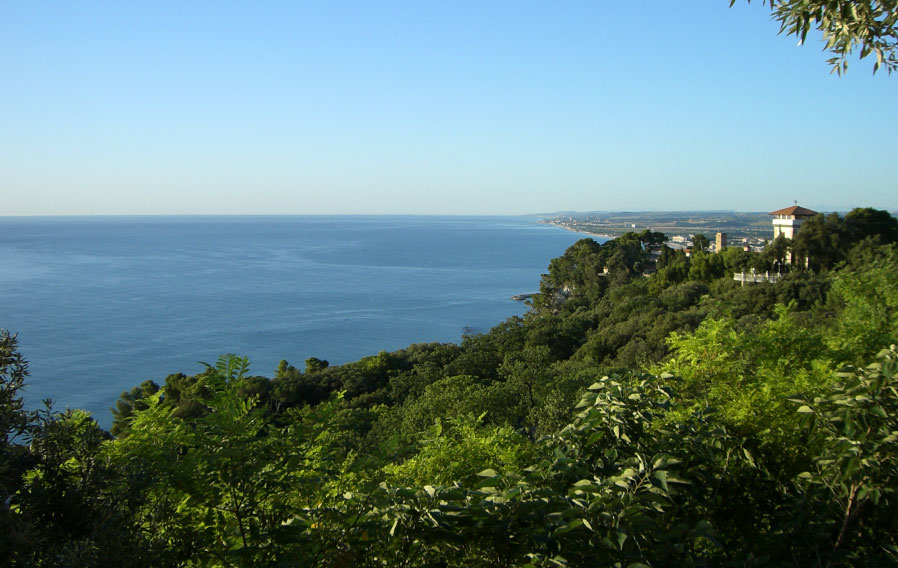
{"x": 425, "y": 107}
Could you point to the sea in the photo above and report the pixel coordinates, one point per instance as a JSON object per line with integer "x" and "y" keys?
{"x": 101, "y": 304}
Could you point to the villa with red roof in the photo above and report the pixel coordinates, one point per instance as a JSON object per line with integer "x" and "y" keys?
{"x": 786, "y": 222}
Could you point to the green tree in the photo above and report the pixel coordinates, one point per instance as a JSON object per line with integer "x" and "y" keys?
{"x": 651, "y": 239}
{"x": 864, "y": 222}
{"x": 706, "y": 267}
{"x": 673, "y": 268}
{"x": 526, "y": 373}
{"x": 314, "y": 364}
{"x": 735, "y": 259}
{"x": 606, "y": 490}
{"x": 127, "y": 403}
{"x": 700, "y": 242}
{"x": 852, "y": 484}
{"x": 870, "y": 26}
{"x": 13, "y": 371}
{"x": 457, "y": 449}
{"x": 867, "y": 297}
{"x": 776, "y": 252}
{"x": 14, "y": 422}
{"x": 79, "y": 505}
{"x": 285, "y": 370}
{"x": 824, "y": 241}
{"x": 748, "y": 372}
{"x": 624, "y": 256}
{"x": 63, "y": 503}
{"x": 227, "y": 482}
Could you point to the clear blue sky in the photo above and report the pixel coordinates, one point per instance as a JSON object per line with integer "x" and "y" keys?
{"x": 430, "y": 107}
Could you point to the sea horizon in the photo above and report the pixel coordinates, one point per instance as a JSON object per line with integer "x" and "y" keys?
{"x": 102, "y": 303}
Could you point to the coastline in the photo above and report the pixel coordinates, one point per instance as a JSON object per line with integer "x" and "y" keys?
{"x": 748, "y": 227}
{"x": 294, "y": 281}
{"x": 581, "y": 231}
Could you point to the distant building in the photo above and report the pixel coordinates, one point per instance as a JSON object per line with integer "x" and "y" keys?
{"x": 720, "y": 241}
{"x": 786, "y": 222}
{"x": 755, "y": 278}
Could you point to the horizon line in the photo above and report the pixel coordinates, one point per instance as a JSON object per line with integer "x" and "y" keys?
{"x": 532, "y": 214}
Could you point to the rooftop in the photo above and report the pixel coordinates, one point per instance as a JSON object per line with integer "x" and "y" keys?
{"x": 796, "y": 210}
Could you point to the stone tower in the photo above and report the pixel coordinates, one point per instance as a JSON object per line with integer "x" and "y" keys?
{"x": 720, "y": 241}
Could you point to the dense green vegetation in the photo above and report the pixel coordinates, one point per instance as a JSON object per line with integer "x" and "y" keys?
{"x": 648, "y": 410}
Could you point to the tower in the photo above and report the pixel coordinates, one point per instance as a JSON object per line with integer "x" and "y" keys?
{"x": 720, "y": 241}
{"x": 786, "y": 222}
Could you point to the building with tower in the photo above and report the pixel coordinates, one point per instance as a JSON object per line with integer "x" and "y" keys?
{"x": 786, "y": 222}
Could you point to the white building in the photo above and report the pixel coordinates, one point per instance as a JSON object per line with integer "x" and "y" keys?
{"x": 786, "y": 222}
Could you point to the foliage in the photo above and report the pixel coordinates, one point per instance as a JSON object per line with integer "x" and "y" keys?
{"x": 226, "y": 481}
{"x": 855, "y": 475}
{"x": 14, "y": 422}
{"x": 748, "y": 373}
{"x": 822, "y": 240}
{"x": 870, "y": 26}
{"x": 508, "y": 449}
{"x": 13, "y": 371}
{"x": 700, "y": 242}
{"x": 867, "y": 297}
{"x": 458, "y": 450}
{"x": 455, "y": 396}
{"x": 128, "y": 403}
{"x": 75, "y": 507}
{"x": 706, "y": 267}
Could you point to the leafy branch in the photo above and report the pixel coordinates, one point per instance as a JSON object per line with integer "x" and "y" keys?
{"x": 869, "y": 27}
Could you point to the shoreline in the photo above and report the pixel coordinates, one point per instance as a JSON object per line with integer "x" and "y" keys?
{"x": 581, "y": 231}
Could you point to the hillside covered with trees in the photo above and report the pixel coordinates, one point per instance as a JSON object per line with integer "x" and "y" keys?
{"x": 647, "y": 411}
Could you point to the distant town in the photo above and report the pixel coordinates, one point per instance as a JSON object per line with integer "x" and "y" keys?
{"x": 750, "y": 231}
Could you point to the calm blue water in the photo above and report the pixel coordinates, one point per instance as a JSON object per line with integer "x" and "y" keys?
{"x": 103, "y": 303}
